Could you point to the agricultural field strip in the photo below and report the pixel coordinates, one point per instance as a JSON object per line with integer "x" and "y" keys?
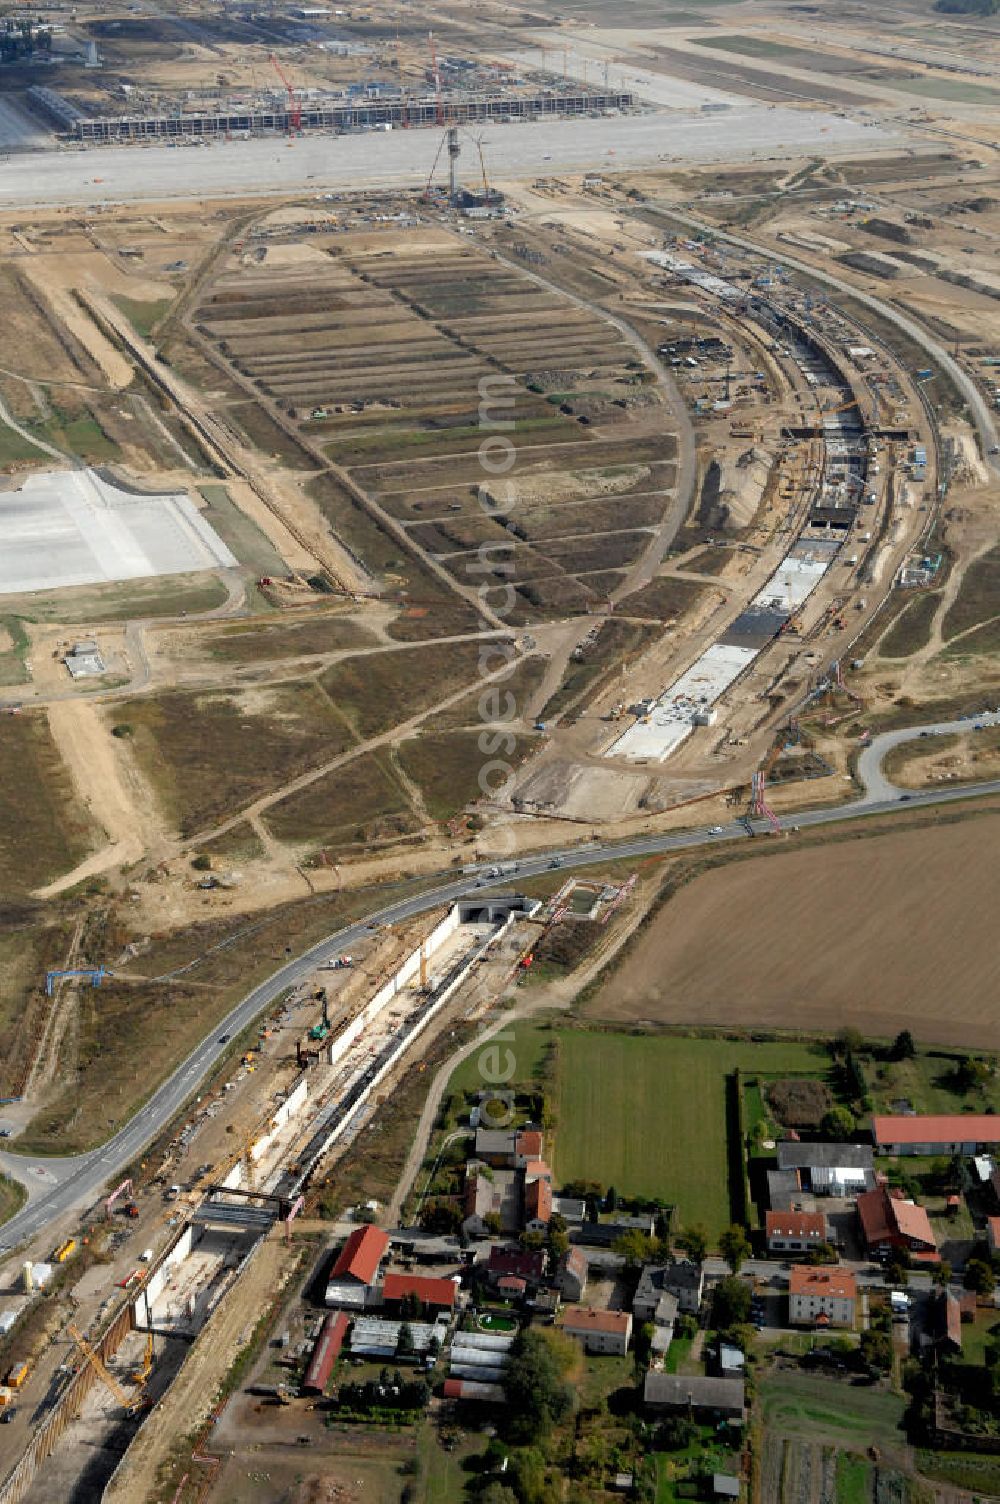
{"x": 434, "y": 293}
{"x": 264, "y": 802}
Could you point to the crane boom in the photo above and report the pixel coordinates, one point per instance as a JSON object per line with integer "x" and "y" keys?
{"x": 294, "y": 101}
{"x": 129, "y": 1402}
{"x": 436, "y": 74}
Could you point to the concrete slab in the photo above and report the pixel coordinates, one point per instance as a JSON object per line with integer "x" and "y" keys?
{"x": 73, "y": 527}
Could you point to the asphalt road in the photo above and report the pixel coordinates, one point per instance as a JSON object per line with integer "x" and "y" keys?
{"x": 58, "y": 1186}
{"x": 402, "y": 159}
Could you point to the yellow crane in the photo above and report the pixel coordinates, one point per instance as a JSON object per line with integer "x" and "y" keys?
{"x": 829, "y": 412}
{"x": 140, "y": 1375}
{"x": 129, "y": 1402}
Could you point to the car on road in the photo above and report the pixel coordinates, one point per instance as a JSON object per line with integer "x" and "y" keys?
{"x": 905, "y": 798}
{"x": 6, "y": 1416}
{"x": 715, "y": 830}
{"x": 225, "y": 1038}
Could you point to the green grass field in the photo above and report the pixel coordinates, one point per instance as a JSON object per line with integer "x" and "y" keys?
{"x": 854, "y": 1479}
{"x": 143, "y": 315}
{"x": 926, "y": 1082}
{"x": 648, "y": 1115}
{"x": 814, "y": 1406}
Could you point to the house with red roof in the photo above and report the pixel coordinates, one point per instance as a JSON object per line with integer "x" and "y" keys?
{"x": 965, "y": 1133}
{"x": 795, "y": 1232}
{"x": 599, "y": 1331}
{"x": 822, "y": 1297}
{"x": 537, "y": 1205}
{"x": 888, "y": 1220}
{"x": 432, "y": 1294}
{"x": 354, "y": 1274}
{"x": 520, "y": 1263}
{"x": 529, "y": 1144}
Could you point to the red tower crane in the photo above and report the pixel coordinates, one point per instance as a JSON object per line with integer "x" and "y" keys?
{"x": 294, "y": 100}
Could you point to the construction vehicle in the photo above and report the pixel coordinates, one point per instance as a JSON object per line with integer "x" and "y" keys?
{"x": 130, "y": 1209}
{"x": 140, "y": 1375}
{"x": 321, "y": 1030}
{"x": 130, "y": 1403}
{"x": 64, "y": 1250}
{"x": 18, "y": 1374}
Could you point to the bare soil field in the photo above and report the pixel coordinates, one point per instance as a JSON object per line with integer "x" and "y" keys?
{"x": 881, "y": 933}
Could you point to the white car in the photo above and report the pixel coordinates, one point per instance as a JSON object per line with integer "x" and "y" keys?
{"x": 715, "y": 830}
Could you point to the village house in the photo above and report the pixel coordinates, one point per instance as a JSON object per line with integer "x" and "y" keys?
{"x": 702, "y": 1398}
{"x": 822, "y": 1297}
{"x": 599, "y": 1331}
{"x": 965, "y": 1133}
{"x": 573, "y": 1272}
{"x": 888, "y": 1220}
{"x": 827, "y": 1169}
{"x": 685, "y": 1282}
{"x": 795, "y": 1232}
{"x": 354, "y": 1274}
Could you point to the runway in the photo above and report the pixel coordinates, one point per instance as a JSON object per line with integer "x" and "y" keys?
{"x": 74, "y": 177}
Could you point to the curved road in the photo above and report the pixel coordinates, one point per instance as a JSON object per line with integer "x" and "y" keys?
{"x": 57, "y": 1186}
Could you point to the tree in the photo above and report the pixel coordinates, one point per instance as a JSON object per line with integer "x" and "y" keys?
{"x": 941, "y": 1275}
{"x": 693, "y": 1241}
{"x": 537, "y": 1394}
{"x": 731, "y": 1302}
{"x": 404, "y": 1342}
{"x": 611, "y": 1200}
{"x": 876, "y": 1349}
{"x": 734, "y": 1247}
{"x": 558, "y": 1235}
{"x": 896, "y": 1272}
{"x": 440, "y": 1216}
{"x": 675, "y": 1433}
{"x": 498, "y": 1493}
{"x": 902, "y": 1047}
{"x": 847, "y": 1041}
{"x": 838, "y": 1124}
{"x": 979, "y": 1277}
{"x": 493, "y": 1224}
{"x": 635, "y": 1247}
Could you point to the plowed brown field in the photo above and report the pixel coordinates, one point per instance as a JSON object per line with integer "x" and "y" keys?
{"x": 885, "y": 933}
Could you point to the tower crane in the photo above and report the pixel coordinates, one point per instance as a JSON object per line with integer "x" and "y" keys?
{"x": 294, "y": 100}
{"x": 129, "y": 1402}
{"x": 436, "y": 76}
{"x": 482, "y": 167}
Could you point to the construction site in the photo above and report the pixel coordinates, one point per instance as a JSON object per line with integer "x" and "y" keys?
{"x": 371, "y": 1010}
{"x": 264, "y": 604}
